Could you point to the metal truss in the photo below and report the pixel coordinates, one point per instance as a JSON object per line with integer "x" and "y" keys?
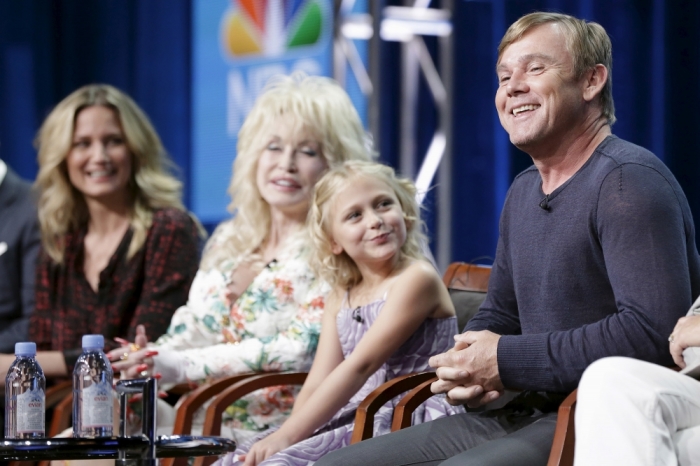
{"x": 409, "y": 25}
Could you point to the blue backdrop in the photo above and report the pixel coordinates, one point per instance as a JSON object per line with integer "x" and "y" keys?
{"x": 47, "y": 49}
{"x": 226, "y": 83}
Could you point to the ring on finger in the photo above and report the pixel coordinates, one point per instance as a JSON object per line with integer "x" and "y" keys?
{"x": 143, "y": 373}
{"x": 670, "y": 338}
{"x": 134, "y": 347}
{"x": 124, "y": 357}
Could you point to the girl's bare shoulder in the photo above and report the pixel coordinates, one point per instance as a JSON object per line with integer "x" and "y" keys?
{"x": 423, "y": 285}
{"x": 420, "y": 271}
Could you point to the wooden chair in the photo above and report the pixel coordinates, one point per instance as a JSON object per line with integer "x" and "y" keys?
{"x": 467, "y": 285}
{"x": 238, "y": 386}
{"x": 562, "y": 452}
{"x": 364, "y": 417}
{"x": 190, "y": 403}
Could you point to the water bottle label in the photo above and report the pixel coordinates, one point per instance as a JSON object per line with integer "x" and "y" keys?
{"x": 30, "y": 412}
{"x": 97, "y": 405}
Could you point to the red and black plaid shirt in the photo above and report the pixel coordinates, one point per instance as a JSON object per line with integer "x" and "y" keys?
{"x": 145, "y": 290}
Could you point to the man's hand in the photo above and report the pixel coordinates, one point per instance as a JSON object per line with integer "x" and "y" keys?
{"x": 469, "y": 372}
{"x": 686, "y": 333}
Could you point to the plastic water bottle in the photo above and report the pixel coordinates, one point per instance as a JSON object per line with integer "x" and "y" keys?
{"x": 93, "y": 404}
{"x": 25, "y": 385}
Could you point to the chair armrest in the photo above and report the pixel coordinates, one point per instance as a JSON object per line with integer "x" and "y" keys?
{"x": 562, "y": 452}
{"x": 56, "y": 393}
{"x": 188, "y": 404}
{"x": 364, "y": 417}
{"x": 61, "y": 417}
{"x": 181, "y": 389}
{"x": 212, "y": 422}
{"x": 404, "y": 409}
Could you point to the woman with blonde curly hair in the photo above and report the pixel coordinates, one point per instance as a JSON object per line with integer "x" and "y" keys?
{"x": 118, "y": 247}
{"x": 255, "y": 304}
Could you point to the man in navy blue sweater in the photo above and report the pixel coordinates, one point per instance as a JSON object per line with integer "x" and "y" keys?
{"x": 596, "y": 257}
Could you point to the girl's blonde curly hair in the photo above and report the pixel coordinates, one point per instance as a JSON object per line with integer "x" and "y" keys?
{"x": 340, "y": 270}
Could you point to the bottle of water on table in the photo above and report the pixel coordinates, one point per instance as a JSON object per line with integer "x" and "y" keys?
{"x": 25, "y": 385}
{"x": 93, "y": 404}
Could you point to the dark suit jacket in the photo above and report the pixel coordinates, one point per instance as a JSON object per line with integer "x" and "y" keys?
{"x": 19, "y": 245}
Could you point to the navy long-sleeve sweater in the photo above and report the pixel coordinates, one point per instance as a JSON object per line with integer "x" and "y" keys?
{"x": 605, "y": 266}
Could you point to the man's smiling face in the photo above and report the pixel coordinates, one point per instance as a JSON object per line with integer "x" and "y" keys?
{"x": 538, "y": 99}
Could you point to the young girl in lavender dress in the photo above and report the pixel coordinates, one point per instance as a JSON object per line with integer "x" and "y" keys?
{"x": 387, "y": 314}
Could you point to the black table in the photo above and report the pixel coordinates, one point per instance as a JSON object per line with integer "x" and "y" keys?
{"x": 142, "y": 450}
{"x": 127, "y": 448}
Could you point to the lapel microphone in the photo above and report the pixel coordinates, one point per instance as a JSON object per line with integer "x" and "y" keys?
{"x": 544, "y": 204}
{"x": 356, "y": 315}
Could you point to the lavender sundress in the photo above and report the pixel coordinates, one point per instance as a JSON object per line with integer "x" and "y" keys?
{"x": 434, "y": 336}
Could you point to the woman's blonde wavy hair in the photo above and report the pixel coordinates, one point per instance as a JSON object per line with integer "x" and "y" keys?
{"x": 62, "y": 208}
{"x": 315, "y": 103}
{"x": 339, "y": 269}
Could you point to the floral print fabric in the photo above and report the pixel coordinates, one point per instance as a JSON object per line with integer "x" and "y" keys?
{"x": 274, "y": 325}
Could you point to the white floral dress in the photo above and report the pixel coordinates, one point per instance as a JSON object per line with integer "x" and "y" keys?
{"x": 273, "y": 326}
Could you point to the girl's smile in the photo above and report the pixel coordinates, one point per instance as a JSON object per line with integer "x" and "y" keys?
{"x": 367, "y": 220}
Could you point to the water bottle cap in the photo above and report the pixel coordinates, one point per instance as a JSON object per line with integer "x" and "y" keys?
{"x": 27, "y": 348}
{"x": 93, "y": 341}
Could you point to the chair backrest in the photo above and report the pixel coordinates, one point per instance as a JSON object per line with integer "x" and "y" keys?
{"x": 467, "y": 284}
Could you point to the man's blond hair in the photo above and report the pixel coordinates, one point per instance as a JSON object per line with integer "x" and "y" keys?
{"x": 586, "y": 41}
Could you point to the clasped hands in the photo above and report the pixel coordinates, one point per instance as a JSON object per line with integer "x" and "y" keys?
{"x": 468, "y": 373}
{"x": 133, "y": 359}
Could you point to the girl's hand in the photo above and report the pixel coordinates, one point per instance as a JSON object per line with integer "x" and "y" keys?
{"x": 686, "y": 333}
{"x": 265, "y": 448}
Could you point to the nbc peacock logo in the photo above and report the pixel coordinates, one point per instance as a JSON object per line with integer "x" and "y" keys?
{"x": 270, "y": 27}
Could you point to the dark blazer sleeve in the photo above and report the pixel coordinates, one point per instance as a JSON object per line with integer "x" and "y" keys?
{"x": 19, "y": 239}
